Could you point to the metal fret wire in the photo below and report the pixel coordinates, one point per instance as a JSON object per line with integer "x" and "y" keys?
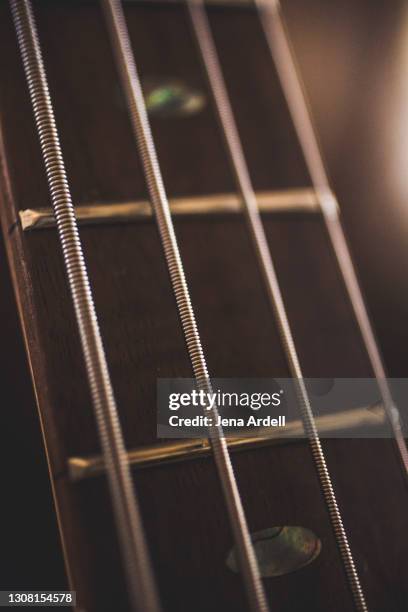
{"x": 234, "y": 147}
{"x": 128, "y": 520}
{"x": 127, "y": 68}
{"x": 278, "y": 41}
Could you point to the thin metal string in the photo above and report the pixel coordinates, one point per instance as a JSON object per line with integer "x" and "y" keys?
{"x": 215, "y": 77}
{"x": 141, "y": 586}
{"x": 278, "y": 42}
{"x": 140, "y": 124}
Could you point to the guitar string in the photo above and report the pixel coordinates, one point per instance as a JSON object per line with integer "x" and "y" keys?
{"x": 236, "y": 155}
{"x": 279, "y": 46}
{"x": 142, "y": 591}
{"x": 117, "y": 28}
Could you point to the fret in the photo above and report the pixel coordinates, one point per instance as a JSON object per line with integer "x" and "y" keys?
{"x": 81, "y": 468}
{"x": 302, "y": 200}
